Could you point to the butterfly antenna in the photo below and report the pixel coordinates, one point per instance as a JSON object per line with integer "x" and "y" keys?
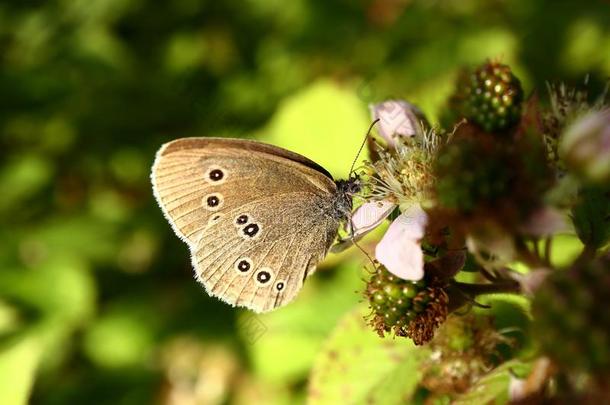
{"x": 351, "y": 169}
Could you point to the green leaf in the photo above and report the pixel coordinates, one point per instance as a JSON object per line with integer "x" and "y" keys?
{"x": 282, "y": 344}
{"x": 120, "y": 338}
{"x": 493, "y": 387}
{"x": 323, "y": 122}
{"x": 512, "y": 318}
{"x": 49, "y": 302}
{"x": 592, "y": 217}
{"x": 21, "y": 178}
{"x": 356, "y": 366}
{"x": 566, "y": 249}
{"x": 18, "y": 364}
{"x": 96, "y": 239}
{"x": 61, "y": 290}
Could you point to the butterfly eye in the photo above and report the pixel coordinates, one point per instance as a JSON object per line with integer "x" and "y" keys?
{"x": 241, "y": 219}
{"x": 263, "y": 276}
{"x": 251, "y": 230}
{"x": 243, "y": 265}
{"x": 214, "y": 218}
{"x": 215, "y": 175}
{"x": 213, "y": 201}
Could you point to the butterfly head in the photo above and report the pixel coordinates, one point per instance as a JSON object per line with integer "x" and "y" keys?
{"x": 351, "y": 186}
{"x": 346, "y": 189}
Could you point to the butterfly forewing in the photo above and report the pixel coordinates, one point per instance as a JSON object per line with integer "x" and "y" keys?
{"x": 257, "y": 218}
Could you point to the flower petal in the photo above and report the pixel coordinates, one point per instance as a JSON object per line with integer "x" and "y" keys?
{"x": 397, "y": 118}
{"x": 547, "y": 221}
{"x": 369, "y": 215}
{"x": 532, "y": 387}
{"x": 364, "y": 219}
{"x": 585, "y": 146}
{"x": 399, "y": 250}
{"x": 532, "y": 281}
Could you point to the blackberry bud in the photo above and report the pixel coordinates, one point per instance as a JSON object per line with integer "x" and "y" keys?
{"x": 572, "y": 320}
{"x": 403, "y": 303}
{"x": 490, "y": 96}
{"x": 409, "y": 290}
{"x": 404, "y": 307}
{"x": 479, "y": 176}
{"x": 391, "y": 290}
{"x": 473, "y": 170}
{"x": 464, "y": 349}
{"x": 378, "y": 298}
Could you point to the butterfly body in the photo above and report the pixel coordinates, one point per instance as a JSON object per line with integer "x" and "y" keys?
{"x": 257, "y": 218}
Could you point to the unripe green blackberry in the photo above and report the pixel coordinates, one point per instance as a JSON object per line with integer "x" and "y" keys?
{"x": 464, "y": 349}
{"x": 490, "y": 96}
{"x": 472, "y": 171}
{"x": 400, "y": 306}
{"x": 572, "y": 318}
{"x": 391, "y": 298}
{"x": 479, "y": 176}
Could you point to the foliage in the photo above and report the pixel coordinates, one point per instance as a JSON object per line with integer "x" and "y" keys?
{"x": 357, "y": 367}
{"x": 483, "y": 207}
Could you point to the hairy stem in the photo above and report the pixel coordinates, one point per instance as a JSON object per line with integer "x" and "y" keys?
{"x": 548, "y": 246}
{"x": 532, "y": 259}
{"x": 461, "y": 294}
{"x": 504, "y": 286}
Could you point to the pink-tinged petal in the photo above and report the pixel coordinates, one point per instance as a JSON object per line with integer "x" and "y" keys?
{"x": 585, "y": 146}
{"x": 530, "y": 282}
{"x": 517, "y": 388}
{"x": 399, "y": 250}
{"x": 547, "y": 221}
{"x": 397, "y": 118}
{"x": 533, "y": 385}
{"x": 370, "y": 215}
{"x": 364, "y": 219}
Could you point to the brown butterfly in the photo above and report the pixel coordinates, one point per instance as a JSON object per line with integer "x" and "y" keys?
{"x": 257, "y": 218}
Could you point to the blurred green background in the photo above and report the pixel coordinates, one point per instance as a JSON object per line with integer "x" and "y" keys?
{"x": 97, "y": 299}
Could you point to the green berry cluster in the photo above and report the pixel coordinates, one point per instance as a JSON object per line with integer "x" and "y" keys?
{"x": 572, "y": 317}
{"x": 395, "y": 302}
{"x": 491, "y": 97}
{"x": 472, "y": 171}
{"x": 466, "y": 347}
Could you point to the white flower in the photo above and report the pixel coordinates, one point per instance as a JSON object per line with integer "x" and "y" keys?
{"x": 523, "y": 389}
{"x": 585, "y": 146}
{"x": 369, "y": 216}
{"x": 397, "y": 118}
{"x": 399, "y": 250}
{"x": 547, "y": 221}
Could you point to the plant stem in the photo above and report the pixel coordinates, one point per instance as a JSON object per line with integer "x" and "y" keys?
{"x": 528, "y": 257}
{"x": 473, "y": 290}
{"x": 547, "y": 250}
{"x": 461, "y": 294}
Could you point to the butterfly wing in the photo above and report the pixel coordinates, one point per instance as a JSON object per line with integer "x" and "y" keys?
{"x": 266, "y": 270}
{"x": 257, "y": 218}
{"x": 189, "y": 169}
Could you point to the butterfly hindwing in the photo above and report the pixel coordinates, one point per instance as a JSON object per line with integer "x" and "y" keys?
{"x": 266, "y": 269}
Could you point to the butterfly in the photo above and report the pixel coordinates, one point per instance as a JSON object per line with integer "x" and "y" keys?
{"x": 257, "y": 218}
